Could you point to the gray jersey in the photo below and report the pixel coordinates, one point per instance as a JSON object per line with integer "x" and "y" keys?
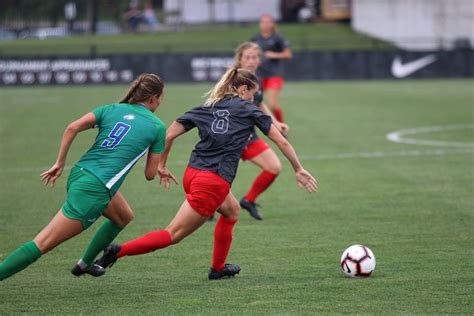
{"x": 275, "y": 43}
{"x": 257, "y": 99}
{"x": 223, "y": 130}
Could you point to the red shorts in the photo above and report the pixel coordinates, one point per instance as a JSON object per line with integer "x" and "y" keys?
{"x": 273, "y": 83}
{"x": 205, "y": 190}
{"x": 254, "y": 149}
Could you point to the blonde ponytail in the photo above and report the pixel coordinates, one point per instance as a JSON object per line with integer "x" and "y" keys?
{"x": 232, "y": 79}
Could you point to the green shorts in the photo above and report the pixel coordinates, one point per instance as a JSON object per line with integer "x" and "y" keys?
{"x": 87, "y": 197}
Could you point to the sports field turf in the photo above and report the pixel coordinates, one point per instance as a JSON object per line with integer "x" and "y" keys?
{"x": 411, "y": 204}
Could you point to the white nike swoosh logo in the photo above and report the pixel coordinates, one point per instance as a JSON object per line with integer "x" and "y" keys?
{"x": 400, "y": 70}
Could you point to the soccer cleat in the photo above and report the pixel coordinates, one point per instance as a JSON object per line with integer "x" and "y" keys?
{"x": 230, "y": 270}
{"x": 109, "y": 257}
{"x": 94, "y": 270}
{"x": 251, "y": 207}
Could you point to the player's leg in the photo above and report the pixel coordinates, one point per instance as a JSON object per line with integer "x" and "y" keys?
{"x": 229, "y": 211}
{"x": 118, "y": 214}
{"x": 272, "y": 87}
{"x": 87, "y": 198}
{"x": 183, "y": 224}
{"x": 186, "y": 221}
{"x": 60, "y": 229}
{"x": 205, "y": 192}
{"x": 273, "y": 99}
{"x": 271, "y": 167}
{"x": 268, "y": 161}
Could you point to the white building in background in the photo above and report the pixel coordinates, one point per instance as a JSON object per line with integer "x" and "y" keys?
{"x": 416, "y": 24}
{"x": 208, "y": 11}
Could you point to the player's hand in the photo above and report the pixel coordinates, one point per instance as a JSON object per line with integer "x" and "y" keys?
{"x": 283, "y": 128}
{"x": 304, "y": 179}
{"x": 165, "y": 177}
{"x": 50, "y": 176}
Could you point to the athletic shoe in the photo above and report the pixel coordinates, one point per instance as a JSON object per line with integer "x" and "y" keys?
{"x": 109, "y": 257}
{"x": 94, "y": 270}
{"x": 251, "y": 207}
{"x": 230, "y": 270}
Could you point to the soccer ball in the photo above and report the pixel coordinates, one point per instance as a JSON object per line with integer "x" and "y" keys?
{"x": 358, "y": 261}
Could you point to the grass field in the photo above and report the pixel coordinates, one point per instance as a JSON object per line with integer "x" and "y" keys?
{"x": 411, "y": 204}
{"x": 217, "y": 38}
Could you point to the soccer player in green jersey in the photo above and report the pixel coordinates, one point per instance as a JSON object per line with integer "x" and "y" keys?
{"x": 127, "y": 130}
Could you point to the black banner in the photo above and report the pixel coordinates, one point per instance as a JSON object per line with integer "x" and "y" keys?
{"x": 320, "y": 65}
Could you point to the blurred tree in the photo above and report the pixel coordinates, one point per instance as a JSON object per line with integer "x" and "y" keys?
{"x": 53, "y": 10}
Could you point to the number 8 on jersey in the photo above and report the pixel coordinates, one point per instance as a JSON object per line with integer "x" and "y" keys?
{"x": 220, "y": 125}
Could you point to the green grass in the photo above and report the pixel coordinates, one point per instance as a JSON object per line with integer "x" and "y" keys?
{"x": 413, "y": 206}
{"x": 219, "y": 38}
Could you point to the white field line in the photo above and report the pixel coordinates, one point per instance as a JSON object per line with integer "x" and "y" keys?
{"x": 379, "y": 154}
{"x": 322, "y": 157}
{"x": 400, "y": 136}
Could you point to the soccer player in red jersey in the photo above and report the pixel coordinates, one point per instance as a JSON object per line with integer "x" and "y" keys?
{"x": 275, "y": 48}
{"x": 247, "y": 56}
{"x": 225, "y": 122}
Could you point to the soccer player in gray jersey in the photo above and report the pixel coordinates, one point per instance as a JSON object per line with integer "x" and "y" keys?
{"x": 275, "y": 49}
{"x": 225, "y": 123}
{"x": 247, "y": 56}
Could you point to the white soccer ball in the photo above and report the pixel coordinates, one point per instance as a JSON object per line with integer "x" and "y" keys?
{"x": 358, "y": 261}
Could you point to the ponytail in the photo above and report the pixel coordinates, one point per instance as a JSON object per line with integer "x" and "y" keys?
{"x": 232, "y": 79}
{"x": 131, "y": 91}
{"x": 143, "y": 88}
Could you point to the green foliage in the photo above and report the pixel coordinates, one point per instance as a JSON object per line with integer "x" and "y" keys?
{"x": 415, "y": 211}
{"x": 222, "y": 38}
{"x": 42, "y": 10}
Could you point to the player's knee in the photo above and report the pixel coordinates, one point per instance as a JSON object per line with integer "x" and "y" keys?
{"x": 124, "y": 219}
{"x": 128, "y": 218}
{"x": 274, "y": 168}
{"x": 272, "y": 98}
{"x": 233, "y": 211}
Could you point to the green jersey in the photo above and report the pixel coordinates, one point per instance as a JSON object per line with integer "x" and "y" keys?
{"x": 126, "y": 132}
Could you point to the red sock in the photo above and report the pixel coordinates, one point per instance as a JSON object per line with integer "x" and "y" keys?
{"x": 145, "y": 244}
{"x": 222, "y": 241}
{"x": 261, "y": 183}
{"x": 278, "y": 112}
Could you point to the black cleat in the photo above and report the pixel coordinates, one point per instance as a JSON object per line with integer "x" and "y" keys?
{"x": 94, "y": 270}
{"x": 230, "y": 270}
{"x": 251, "y": 207}
{"x": 109, "y": 257}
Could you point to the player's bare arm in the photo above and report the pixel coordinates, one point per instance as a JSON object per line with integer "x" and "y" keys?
{"x": 303, "y": 177}
{"x": 85, "y": 122}
{"x": 152, "y": 161}
{"x": 285, "y": 54}
{"x": 174, "y": 130}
